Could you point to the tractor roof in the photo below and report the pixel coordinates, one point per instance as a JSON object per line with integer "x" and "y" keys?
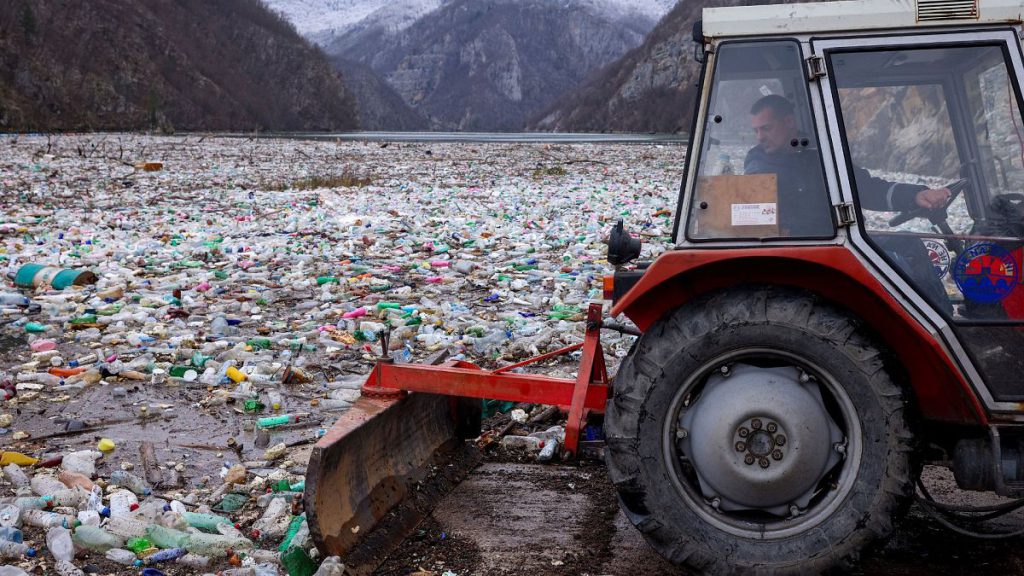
{"x": 856, "y": 16}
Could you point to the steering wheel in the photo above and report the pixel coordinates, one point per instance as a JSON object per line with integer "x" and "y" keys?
{"x": 937, "y": 216}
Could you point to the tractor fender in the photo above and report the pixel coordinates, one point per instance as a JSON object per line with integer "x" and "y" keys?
{"x": 833, "y": 273}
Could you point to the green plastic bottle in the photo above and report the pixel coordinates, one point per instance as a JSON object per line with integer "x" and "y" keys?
{"x": 274, "y": 421}
{"x": 164, "y": 537}
{"x": 260, "y": 343}
{"x": 36, "y": 327}
{"x": 297, "y": 563}
{"x": 207, "y": 522}
{"x": 178, "y": 371}
{"x": 138, "y": 544}
{"x": 293, "y": 529}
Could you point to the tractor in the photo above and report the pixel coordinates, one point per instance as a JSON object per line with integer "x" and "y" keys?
{"x": 841, "y": 304}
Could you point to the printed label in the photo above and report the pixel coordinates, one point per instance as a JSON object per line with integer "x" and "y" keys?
{"x": 764, "y": 214}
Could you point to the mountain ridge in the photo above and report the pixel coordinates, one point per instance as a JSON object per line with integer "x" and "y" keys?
{"x": 168, "y": 64}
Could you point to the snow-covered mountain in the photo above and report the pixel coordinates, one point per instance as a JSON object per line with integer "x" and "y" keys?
{"x": 319, "y": 20}
{"x": 316, "y": 19}
{"x": 472, "y": 64}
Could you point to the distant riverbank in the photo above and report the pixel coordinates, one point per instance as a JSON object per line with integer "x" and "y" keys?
{"x": 524, "y": 137}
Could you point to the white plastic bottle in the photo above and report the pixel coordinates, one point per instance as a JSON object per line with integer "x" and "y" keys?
{"x": 121, "y": 502}
{"x": 121, "y": 556}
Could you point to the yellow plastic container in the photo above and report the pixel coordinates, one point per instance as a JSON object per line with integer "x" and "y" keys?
{"x": 16, "y": 458}
{"x": 235, "y": 374}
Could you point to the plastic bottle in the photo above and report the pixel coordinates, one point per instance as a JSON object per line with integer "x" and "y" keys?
{"x": 8, "y": 570}
{"x": 82, "y": 462}
{"x": 44, "y": 519}
{"x": 126, "y": 526}
{"x": 219, "y": 327}
{"x": 275, "y": 421}
{"x": 725, "y": 164}
{"x": 70, "y": 497}
{"x": 15, "y": 476}
{"x": 549, "y": 451}
{"x": 31, "y": 503}
{"x": 95, "y": 538}
{"x": 72, "y": 479}
{"x": 274, "y": 521}
{"x": 130, "y": 481}
{"x": 164, "y": 556}
{"x": 13, "y": 299}
{"x": 66, "y": 568}
{"x": 58, "y": 542}
{"x": 11, "y": 534}
{"x": 193, "y": 561}
{"x": 274, "y": 400}
{"x": 14, "y": 549}
{"x": 121, "y": 556}
{"x": 296, "y": 561}
{"x": 10, "y": 516}
{"x": 17, "y": 458}
{"x": 139, "y": 545}
{"x": 121, "y": 502}
{"x": 207, "y": 522}
{"x": 331, "y": 566}
{"x": 44, "y": 484}
{"x": 163, "y": 537}
{"x": 89, "y": 518}
{"x": 293, "y": 528}
{"x": 215, "y": 544}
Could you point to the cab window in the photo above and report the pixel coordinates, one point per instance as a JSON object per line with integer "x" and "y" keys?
{"x": 936, "y": 153}
{"x": 759, "y": 170}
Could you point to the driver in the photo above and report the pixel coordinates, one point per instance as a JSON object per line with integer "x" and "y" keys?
{"x": 802, "y": 200}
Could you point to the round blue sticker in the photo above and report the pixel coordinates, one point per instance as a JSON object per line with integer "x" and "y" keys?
{"x": 986, "y": 272}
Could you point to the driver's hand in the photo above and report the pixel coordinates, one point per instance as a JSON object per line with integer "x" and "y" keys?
{"x": 932, "y": 198}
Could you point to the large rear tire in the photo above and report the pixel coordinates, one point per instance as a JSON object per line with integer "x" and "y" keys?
{"x": 756, "y": 430}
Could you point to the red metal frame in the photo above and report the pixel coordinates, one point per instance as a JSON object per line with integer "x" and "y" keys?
{"x": 587, "y": 393}
{"x": 941, "y": 390}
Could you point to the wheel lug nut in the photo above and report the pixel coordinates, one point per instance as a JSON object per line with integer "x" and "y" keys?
{"x": 749, "y": 459}
{"x": 772, "y": 427}
{"x": 764, "y": 462}
{"x": 755, "y": 423}
{"x": 741, "y": 447}
{"x": 780, "y": 440}
{"x": 743, "y": 432}
{"x": 724, "y": 370}
{"x": 777, "y": 454}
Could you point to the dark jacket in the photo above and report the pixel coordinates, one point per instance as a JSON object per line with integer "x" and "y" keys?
{"x": 803, "y": 201}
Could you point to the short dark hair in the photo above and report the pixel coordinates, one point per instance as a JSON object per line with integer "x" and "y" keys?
{"x": 779, "y": 105}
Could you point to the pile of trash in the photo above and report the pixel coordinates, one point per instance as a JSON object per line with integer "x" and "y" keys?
{"x": 182, "y": 317}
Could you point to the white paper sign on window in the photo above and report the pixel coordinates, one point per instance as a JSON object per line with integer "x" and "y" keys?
{"x": 762, "y": 214}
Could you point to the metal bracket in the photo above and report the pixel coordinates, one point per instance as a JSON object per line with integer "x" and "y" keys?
{"x": 845, "y": 214}
{"x": 815, "y": 68}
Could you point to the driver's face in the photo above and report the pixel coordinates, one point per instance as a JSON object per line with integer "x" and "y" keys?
{"x": 773, "y": 133}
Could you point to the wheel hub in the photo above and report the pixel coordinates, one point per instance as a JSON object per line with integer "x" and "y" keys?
{"x": 760, "y": 443}
{"x": 759, "y": 439}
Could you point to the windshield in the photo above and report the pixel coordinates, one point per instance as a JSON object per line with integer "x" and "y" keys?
{"x": 759, "y": 173}
{"x": 936, "y": 156}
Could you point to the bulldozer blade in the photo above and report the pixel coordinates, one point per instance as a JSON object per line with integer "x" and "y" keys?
{"x": 378, "y": 471}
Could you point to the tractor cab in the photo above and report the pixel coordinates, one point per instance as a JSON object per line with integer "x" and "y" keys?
{"x": 894, "y": 132}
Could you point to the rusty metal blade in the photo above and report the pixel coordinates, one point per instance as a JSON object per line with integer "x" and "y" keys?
{"x": 367, "y": 483}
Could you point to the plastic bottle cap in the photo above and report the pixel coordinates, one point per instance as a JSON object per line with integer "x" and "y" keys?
{"x": 105, "y": 445}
